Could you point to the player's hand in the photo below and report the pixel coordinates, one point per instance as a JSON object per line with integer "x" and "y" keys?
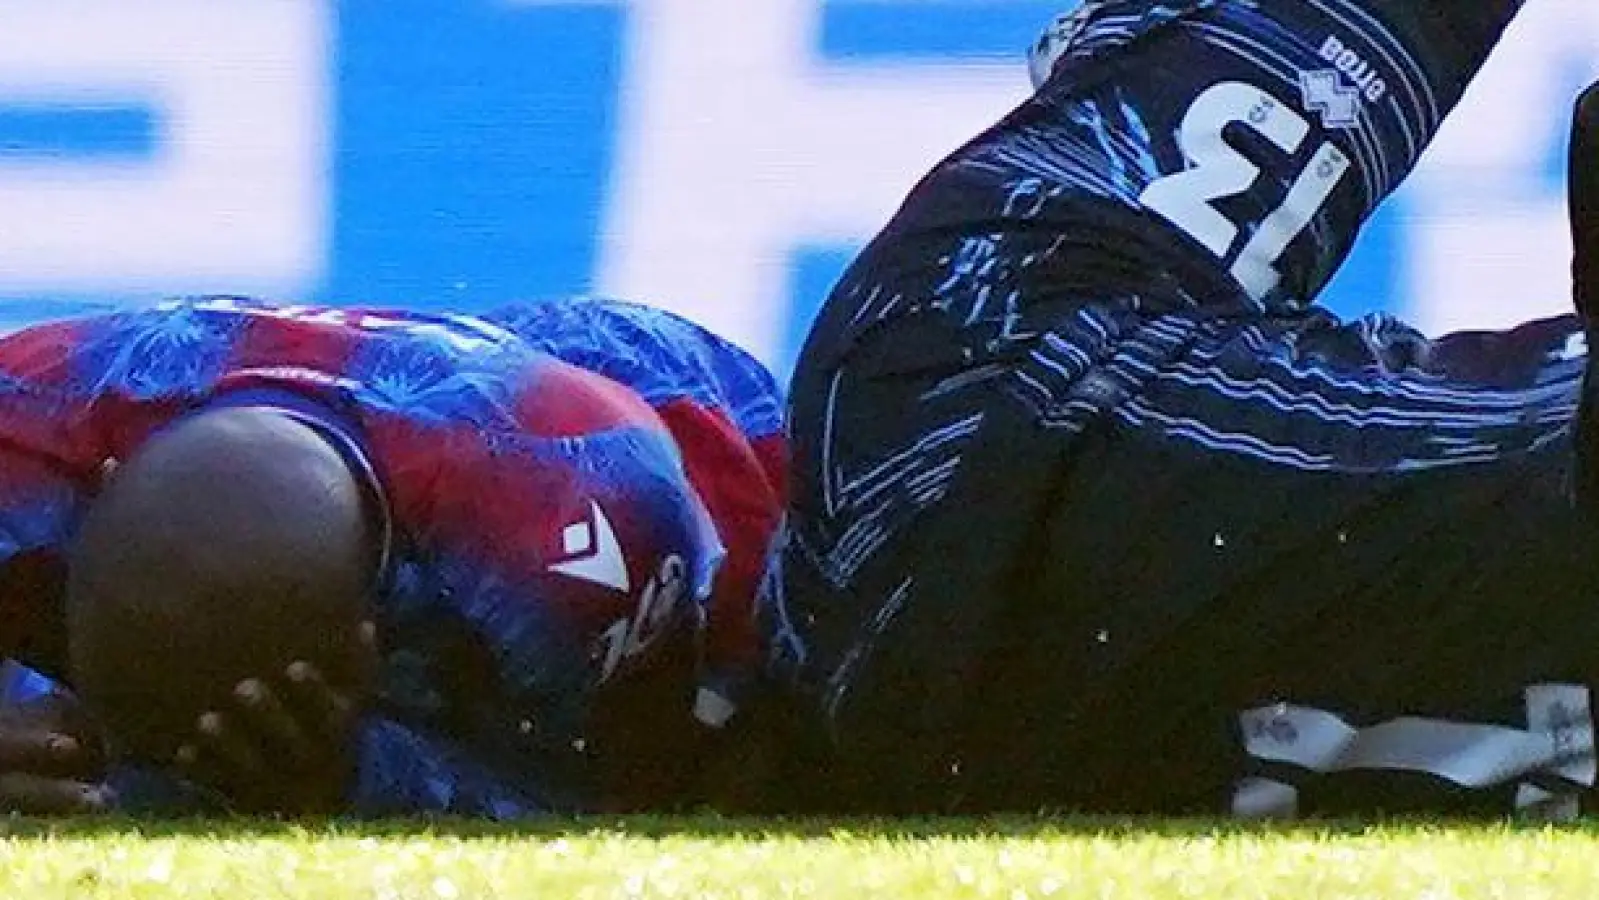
{"x": 50, "y": 762}
{"x": 281, "y": 744}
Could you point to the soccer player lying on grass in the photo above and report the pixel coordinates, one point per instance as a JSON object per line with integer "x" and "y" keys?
{"x": 299, "y": 560}
{"x": 1094, "y": 508}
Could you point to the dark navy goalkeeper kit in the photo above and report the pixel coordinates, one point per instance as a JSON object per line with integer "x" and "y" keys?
{"x": 1094, "y": 507}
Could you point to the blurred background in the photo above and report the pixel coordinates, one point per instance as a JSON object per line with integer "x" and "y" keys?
{"x": 719, "y": 157}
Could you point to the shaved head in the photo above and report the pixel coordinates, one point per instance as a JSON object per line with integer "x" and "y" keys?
{"x": 233, "y": 543}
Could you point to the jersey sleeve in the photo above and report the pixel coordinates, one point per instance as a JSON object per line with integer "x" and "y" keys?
{"x": 553, "y": 544}
{"x": 1198, "y": 153}
{"x": 725, "y": 412}
{"x": 661, "y": 356}
{"x": 1266, "y": 134}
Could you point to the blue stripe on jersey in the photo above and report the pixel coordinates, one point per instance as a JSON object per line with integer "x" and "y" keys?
{"x": 176, "y": 351}
{"x": 20, "y": 685}
{"x": 661, "y": 356}
{"x": 879, "y": 501}
{"x": 1253, "y": 393}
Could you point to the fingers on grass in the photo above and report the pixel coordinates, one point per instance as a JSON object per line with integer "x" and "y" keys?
{"x": 324, "y": 707}
{"x": 40, "y": 751}
{"x": 271, "y": 721}
{"x": 229, "y": 746}
{"x": 40, "y": 795}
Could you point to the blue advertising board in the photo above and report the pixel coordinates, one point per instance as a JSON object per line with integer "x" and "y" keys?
{"x": 719, "y": 157}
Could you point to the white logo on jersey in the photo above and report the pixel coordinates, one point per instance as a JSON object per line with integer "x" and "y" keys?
{"x": 1326, "y": 93}
{"x": 657, "y": 603}
{"x": 1368, "y": 83}
{"x": 1576, "y": 347}
{"x": 596, "y": 553}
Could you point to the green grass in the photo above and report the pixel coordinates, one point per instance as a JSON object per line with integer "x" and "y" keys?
{"x": 691, "y": 858}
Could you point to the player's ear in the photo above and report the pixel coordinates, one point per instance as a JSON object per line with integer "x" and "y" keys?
{"x": 1582, "y": 188}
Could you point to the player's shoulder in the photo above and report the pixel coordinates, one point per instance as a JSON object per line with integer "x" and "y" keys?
{"x": 39, "y": 357}
{"x": 193, "y": 346}
{"x": 561, "y": 400}
{"x": 603, "y": 332}
{"x": 144, "y": 350}
{"x": 658, "y": 354}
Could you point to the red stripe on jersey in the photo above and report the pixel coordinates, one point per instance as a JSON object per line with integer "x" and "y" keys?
{"x": 735, "y": 484}
{"x": 42, "y": 354}
{"x": 505, "y": 513}
{"x": 78, "y": 431}
{"x": 772, "y": 451}
{"x": 505, "y": 509}
{"x": 565, "y": 401}
{"x": 306, "y": 344}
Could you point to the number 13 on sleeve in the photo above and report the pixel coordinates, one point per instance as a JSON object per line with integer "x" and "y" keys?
{"x": 1217, "y": 170}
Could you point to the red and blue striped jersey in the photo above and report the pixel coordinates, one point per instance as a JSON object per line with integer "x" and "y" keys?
{"x": 569, "y": 484}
